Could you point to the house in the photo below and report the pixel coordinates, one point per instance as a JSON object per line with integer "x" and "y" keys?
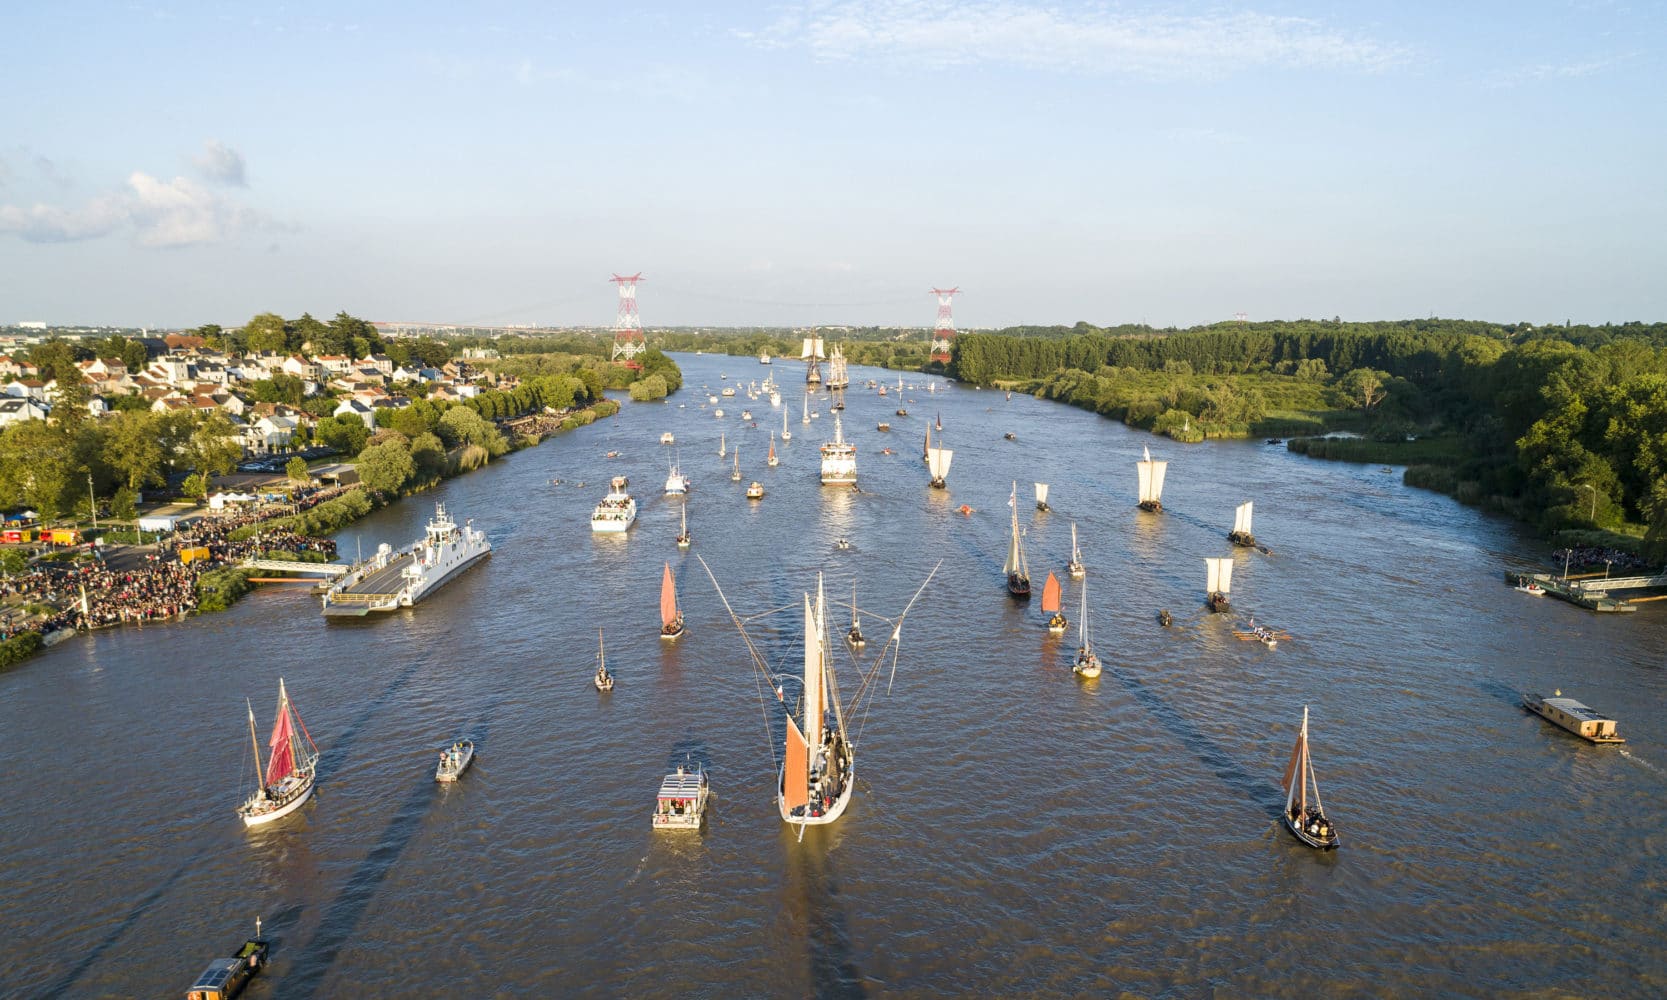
{"x": 170, "y": 404}
{"x": 405, "y": 373}
{"x": 382, "y": 363}
{"x": 357, "y": 408}
{"x": 98, "y": 406}
{"x": 334, "y": 364}
{"x": 230, "y": 402}
{"x": 170, "y": 368}
{"x": 15, "y": 410}
{"x": 27, "y": 388}
{"x": 300, "y": 367}
{"x": 273, "y": 433}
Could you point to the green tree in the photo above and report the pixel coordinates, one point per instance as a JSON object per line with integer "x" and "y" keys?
{"x": 265, "y": 332}
{"x": 468, "y": 427}
{"x": 1364, "y": 386}
{"x": 296, "y": 470}
{"x": 124, "y": 504}
{"x": 70, "y": 405}
{"x": 133, "y": 446}
{"x": 56, "y": 358}
{"x": 308, "y": 334}
{"x": 213, "y": 448}
{"x": 388, "y": 466}
{"x": 429, "y": 454}
{"x": 39, "y": 467}
{"x": 347, "y": 434}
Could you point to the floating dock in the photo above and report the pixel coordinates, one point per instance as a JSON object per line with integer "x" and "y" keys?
{"x": 1591, "y": 594}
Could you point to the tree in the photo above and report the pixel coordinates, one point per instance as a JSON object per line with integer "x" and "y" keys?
{"x": 55, "y": 358}
{"x": 465, "y": 426}
{"x": 345, "y": 434}
{"x": 1364, "y": 385}
{"x": 39, "y": 467}
{"x": 388, "y": 466}
{"x": 70, "y": 406}
{"x": 309, "y": 334}
{"x": 429, "y": 455}
{"x": 124, "y": 504}
{"x": 133, "y": 449}
{"x": 213, "y": 448}
{"x": 265, "y": 333}
{"x": 296, "y": 469}
{"x": 360, "y": 337}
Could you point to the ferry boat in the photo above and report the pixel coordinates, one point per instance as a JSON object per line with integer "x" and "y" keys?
{"x": 225, "y": 977}
{"x": 764, "y": 357}
{"x": 390, "y": 580}
{"x": 729, "y": 390}
{"x": 290, "y": 770}
{"x": 667, "y": 438}
{"x": 839, "y": 459}
{"x": 617, "y": 511}
{"x": 1578, "y": 719}
{"x": 677, "y": 484}
{"x": 755, "y": 490}
{"x": 454, "y": 760}
{"x": 681, "y": 804}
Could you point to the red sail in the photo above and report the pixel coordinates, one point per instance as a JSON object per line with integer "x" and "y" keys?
{"x": 795, "y": 783}
{"x": 282, "y": 763}
{"x": 668, "y": 598}
{"x": 1050, "y": 594}
{"x": 1291, "y": 768}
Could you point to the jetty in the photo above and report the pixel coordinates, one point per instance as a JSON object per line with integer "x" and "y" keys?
{"x": 286, "y": 566}
{"x": 1593, "y": 593}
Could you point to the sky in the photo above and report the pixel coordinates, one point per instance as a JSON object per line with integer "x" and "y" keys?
{"x": 830, "y": 162}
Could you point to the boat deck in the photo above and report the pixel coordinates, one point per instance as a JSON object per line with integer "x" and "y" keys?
{"x": 386, "y": 580}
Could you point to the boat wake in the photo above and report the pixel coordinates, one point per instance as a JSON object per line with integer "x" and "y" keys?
{"x": 1641, "y": 762}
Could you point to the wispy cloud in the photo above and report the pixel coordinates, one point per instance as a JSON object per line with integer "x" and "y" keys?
{"x": 1535, "y": 72}
{"x": 221, "y": 163}
{"x": 1092, "y": 39}
{"x": 158, "y": 213}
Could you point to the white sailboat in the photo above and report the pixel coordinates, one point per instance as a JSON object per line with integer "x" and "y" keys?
{"x": 736, "y": 475}
{"x": 1218, "y": 584}
{"x": 937, "y": 464}
{"x": 806, "y": 418}
{"x": 1087, "y": 664}
{"x": 853, "y": 635}
{"x": 290, "y": 771}
{"x": 1151, "y": 481}
{"x": 1017, "y": 570}
{"x": 786, "y": 435}
{"x": 1303, "y": 816}
{"x": 723, "y": 449}
{"x": 1075, "y": 567}
{"x": 604, "y": 681}
{"x": 1240, "y": 535}
{"x": 1042, "y": 497}
{"x": 817, "y": 769}
{"x": 683, "y": 538}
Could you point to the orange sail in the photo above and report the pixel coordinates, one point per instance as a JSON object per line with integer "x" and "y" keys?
{"x": 668, "y": 598}
{"x": 1050, "y": 594}
{"x": 1291, "y": 767}
{"x": 795, "y": 780}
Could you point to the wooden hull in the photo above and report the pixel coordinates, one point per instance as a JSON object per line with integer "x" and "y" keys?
{"x": 674, "y": 630}
{"x": 1018, "y": 587}
{"x": 1217, "y": 603}
{"x": 1242, "y": 539}
{"x": 453, "y": 772}
{"x": 290, "y": 802}
{"x": 1301, "y": 830}
{"x": 1152, "y": 506}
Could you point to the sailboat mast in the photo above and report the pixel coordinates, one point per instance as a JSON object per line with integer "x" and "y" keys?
{"x": 1305, "y": 765}
{"x": 254, "y": 740}
{"x": 284, "y": 710}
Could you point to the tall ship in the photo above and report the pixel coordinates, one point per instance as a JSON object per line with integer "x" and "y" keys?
{"x": 837, "y": 377}
{"x": 839, "y": 459}
{"x": 813, "y": 355}
{"x": 389, "y": 579}
{"x": 617, "y": 511}
{"x": 287, "y": 782}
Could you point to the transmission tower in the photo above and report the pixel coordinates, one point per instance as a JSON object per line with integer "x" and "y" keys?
{"x": 1242, "y": 317}
{"x": 628, "y": 339}
{"x": 943, "y": 335}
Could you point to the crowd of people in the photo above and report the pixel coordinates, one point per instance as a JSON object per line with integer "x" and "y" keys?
{"x": 164, "y": 585}
{"x": 1593, "y": 557}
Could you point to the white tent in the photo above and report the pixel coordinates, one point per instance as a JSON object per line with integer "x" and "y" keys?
{"x": 219, "y": 500}
{"x": 158, "y": 522}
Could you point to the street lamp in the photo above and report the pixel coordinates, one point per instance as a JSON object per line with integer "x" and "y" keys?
{"x": 92, "y": 501}
{"x": 1606, "y": 563}
{"x": 1567, "y": 555}
{"x": 1594, "y": 489}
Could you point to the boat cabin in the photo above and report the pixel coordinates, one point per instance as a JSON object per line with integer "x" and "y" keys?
{"x": 681, "y": 804}
{"x": 1578, "y": 719}
{"x": 225, "y": 977}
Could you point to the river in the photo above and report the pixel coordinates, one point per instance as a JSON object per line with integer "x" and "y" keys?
{"x": 1015, "y": 831}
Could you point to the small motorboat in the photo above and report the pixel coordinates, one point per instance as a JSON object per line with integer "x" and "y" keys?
{"x": 1010, "y": 436}
{"x": 887, "y": 451}
{"x": 667, "y": 438}
{"x": 1165, "y": 618}
{"x": 842, "y": 543}
{"x": 902, "y": 412}
{"x": 611, "y": 454}
{"x": 454, "y": 760}
{"x": 1531, "y": 588}
{"x": 681, "y": 804}
{"x": 225, "y": 977}
{"x": 755, "y": 490}
{"x": 883, "y": 426}
{"x": 964, "y": 510}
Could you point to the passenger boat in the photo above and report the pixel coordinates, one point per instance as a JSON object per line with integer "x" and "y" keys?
{"x": 671, "y": 619}
{"x": 1075, "y": 567}
{"x": 729, "y": 390}
{"x": 225, "y": 977}
{"x": 1304, "y": 817}
{"x": 882, "y": 426}
{"x": 817, "y": 778}
{"x": 772, "y": 461}
{"x": 1528, "y": 585}
{"x": 1218, "y": 583}
{"x": 764, "y": 357}
{"x": 755, "y": 490}
{"x": 839, "y": 459}
{"x": 389, "y": 580}
{"x": 683, "y": 539}
{"x": 617, "y": 511}
{"x": 677, "y": 484}
{"x": 1240, "y": 535}
{"x": 1017, "y": 570}
{"x": 454, "y": 760}
{"x": 604, "y": 681}
{"x": 1042, "y": 498}
{"x": 681, "y": 804}
{"x": 290, "y": 770}
{"x": 667, "y": 438}
{"x": 1151, "y": 481}
{"x": 1578, "y": 719}
{"x": 1050, "y": 604}
{"x": 1087, "y": 664}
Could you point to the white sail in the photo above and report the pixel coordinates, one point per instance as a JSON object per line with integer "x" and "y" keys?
{"x": 1218, "y": 576}
{"x": 1041, "y": 493}
{"x": 1151, "y": 477}
{"x": 1015, "y": 551}
{"x": 813, "y": 673}
{"x": 812, "y": 349}
{"x": 937, "y": 462}
{"x": 1241, "y": 518}
{"x": 1076, "y": 554}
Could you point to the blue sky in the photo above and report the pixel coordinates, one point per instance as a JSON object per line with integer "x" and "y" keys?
{"x": 829, "y": 162}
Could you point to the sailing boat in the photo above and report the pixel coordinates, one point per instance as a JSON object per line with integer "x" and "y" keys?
{"x": 937, "y": 464}
{"x": 1050, "y": 604}
{"x": 1075, "y": 567}
{"x": 290, "y": 770}
{"x": 1017, "y": 570}
{"x": 1307, "y": 821}
{"x": 786, "y": 435}
{"x": 1218, "y": 582}
{"x": 1087, "y": 664}
{"x": 1240, "y": 535}
{"x": 1042, "y": 497}
{"x": 736, "y": 475}
{"x": 940, "y": 416}
{"x": 1151, "y": 481}
{"x": 772, "y": 461}
{"x": 853, "y": 635}
{"x": 671, "y": 619}
{"x": 806, "y": 418}
{"x": 604, "y": 680}
{"x": 722, "y": 451}
{"x": 683, "y": 538}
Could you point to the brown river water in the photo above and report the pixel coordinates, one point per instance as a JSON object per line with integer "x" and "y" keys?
{"x": 1015, "y": 831}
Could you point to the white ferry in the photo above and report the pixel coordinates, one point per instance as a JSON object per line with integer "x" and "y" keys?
{"x": 617, "y": 511}
{"x": 839, "y": 459}
{"x": 389, "y": 579}
{"x": 681, "y": 804}
{"x": 1578, "y": 719}
{"x": 764, "y": 357}
{"x": 677, "y": 483}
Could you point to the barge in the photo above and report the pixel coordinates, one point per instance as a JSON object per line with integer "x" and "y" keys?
{"x": 1579, "y": 719}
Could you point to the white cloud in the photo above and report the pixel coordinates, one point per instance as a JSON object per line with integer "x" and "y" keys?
{"x": 942, "y": 33}
{"x": 159, "y": 213}
{"x": 221, "y": 163}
